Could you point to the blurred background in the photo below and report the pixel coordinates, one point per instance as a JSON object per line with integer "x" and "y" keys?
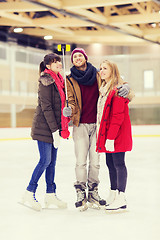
{"x": 126, "y": 32}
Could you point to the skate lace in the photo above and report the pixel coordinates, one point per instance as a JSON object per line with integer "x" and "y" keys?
{"x": 96, "y": 195}
{"x": 58, "y": 198}
{"x": 80, "y": 195}
{"x": 34, "y": 198}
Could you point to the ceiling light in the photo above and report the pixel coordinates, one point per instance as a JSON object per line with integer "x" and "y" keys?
{"x": 18, "y": 30}
{"x": 48, "y": 37}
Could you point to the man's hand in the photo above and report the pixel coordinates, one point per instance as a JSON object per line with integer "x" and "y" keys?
{"x": 67, "y": 111}
{"x": 123, "y": 90}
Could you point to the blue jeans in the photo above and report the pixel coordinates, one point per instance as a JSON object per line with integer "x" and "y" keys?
{"x": 48, "y": 155}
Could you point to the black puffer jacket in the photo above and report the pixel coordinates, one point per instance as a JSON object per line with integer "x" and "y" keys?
{"x": 47, "y": 117}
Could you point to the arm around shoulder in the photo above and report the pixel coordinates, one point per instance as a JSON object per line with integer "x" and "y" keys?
{"x": 125, "y": 91}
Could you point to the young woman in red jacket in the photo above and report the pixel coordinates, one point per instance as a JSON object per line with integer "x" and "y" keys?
{"x": 114, "y": 135}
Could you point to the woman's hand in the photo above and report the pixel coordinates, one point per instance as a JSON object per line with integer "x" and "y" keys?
{"x": 56, "y": 139}
{"x": 109, "y": 145}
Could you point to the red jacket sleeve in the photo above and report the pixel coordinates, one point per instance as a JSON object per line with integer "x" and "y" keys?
{"x": 116, "y": 116}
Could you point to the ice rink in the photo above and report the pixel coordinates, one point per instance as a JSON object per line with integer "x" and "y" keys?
{"x": 19, "y": 155}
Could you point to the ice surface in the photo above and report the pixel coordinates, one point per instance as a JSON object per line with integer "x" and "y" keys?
{"x": 141, "y": 222}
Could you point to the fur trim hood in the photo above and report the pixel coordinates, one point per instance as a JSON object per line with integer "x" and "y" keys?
{"x": 46, "y": 79}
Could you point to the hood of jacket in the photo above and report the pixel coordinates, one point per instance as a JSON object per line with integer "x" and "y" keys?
{"x": 46, "y": 79}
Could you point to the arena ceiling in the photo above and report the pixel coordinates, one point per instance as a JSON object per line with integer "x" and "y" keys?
{"x": 111, "y": 22}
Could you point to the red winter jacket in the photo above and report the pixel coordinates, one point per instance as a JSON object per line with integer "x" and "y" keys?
{"x": 115, "y": 124}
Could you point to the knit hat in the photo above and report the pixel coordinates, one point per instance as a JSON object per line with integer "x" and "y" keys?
{"x": 81, "y": 50}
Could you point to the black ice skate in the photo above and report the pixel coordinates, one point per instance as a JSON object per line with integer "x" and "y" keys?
{"x": 94, "y": 199}
{"x": 81, "y": 203}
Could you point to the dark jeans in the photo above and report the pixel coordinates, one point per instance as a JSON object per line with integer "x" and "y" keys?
{"x": 117, "y": 170}
{"x": 48, "y": 155}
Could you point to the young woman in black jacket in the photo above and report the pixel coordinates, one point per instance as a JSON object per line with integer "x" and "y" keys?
{"x": 48, "y": 125}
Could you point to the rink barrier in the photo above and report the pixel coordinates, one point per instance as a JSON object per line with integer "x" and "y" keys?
{"x": 14, "y": 139}
{"x": 29, "y": 138}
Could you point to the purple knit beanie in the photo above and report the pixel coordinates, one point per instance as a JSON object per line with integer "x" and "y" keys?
{"x": 81, "y": 50}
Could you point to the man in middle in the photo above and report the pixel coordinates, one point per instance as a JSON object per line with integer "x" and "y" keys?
{"x": 83, "y": 92}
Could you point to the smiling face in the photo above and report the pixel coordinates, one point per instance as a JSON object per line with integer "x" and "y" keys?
{"x": 105, "y": 71}
{"x": 79, "y": 59}
{"x": 55, "y": 66}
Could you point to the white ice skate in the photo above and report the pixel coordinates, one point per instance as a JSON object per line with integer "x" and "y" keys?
{"x": 30, "y": 201}
{"x": 111, "y": 197}
{"x": 119, "y": 204}
{"x": 52, "y": 199}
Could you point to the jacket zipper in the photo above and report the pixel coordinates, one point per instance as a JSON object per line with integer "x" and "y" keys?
{"x": 108, "y": 105}
{"x": 103, "y": 121}
{"x": 60, "y": 104}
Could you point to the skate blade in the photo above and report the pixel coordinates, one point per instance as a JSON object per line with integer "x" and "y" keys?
{"x": 119, "y": 210}
{"x": 94, "y": 206}
{"x": 53, "y": 206}
{"x": 27, "y": 206}
{"x": 62, "y": 207}
{"x": 83, "y": 208}
{"x": 97, "y": 206}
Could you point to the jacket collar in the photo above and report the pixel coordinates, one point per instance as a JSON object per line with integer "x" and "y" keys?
{"x": 46, "y": 79}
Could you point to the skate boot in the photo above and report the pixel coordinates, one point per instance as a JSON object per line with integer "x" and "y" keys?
{"x": 52, "y": 199}
{"x": 119, "y": 204}
{"x": 94, "y": 199}
{"x": 81, "y": 203}
{"x": 29, "y": 200}
{"x": 111, "y": 197}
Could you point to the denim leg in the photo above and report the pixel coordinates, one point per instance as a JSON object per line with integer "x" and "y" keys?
{"x": 50, "y": 172}
{"x": 119, "y": 163}
{"x": 45, "y": 159}
{"x": 112, "y": 171}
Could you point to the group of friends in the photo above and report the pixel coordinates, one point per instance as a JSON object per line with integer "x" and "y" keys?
{"x": 97, "y": 105}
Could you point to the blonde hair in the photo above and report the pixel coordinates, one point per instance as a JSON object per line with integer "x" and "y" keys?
{"x": 115, "y": 77}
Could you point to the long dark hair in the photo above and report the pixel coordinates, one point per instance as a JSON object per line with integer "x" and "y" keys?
{"x": 48, "y": 59}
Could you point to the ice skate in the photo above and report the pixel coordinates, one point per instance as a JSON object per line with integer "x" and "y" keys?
{"x": 119, "y": 204}
{"x": 94, "y": 200}
{"x": 30, "y": 201}
{"x": 81, "y": 203}
{"x": 52, "y": 199}
{"x": 111, "y": 197}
